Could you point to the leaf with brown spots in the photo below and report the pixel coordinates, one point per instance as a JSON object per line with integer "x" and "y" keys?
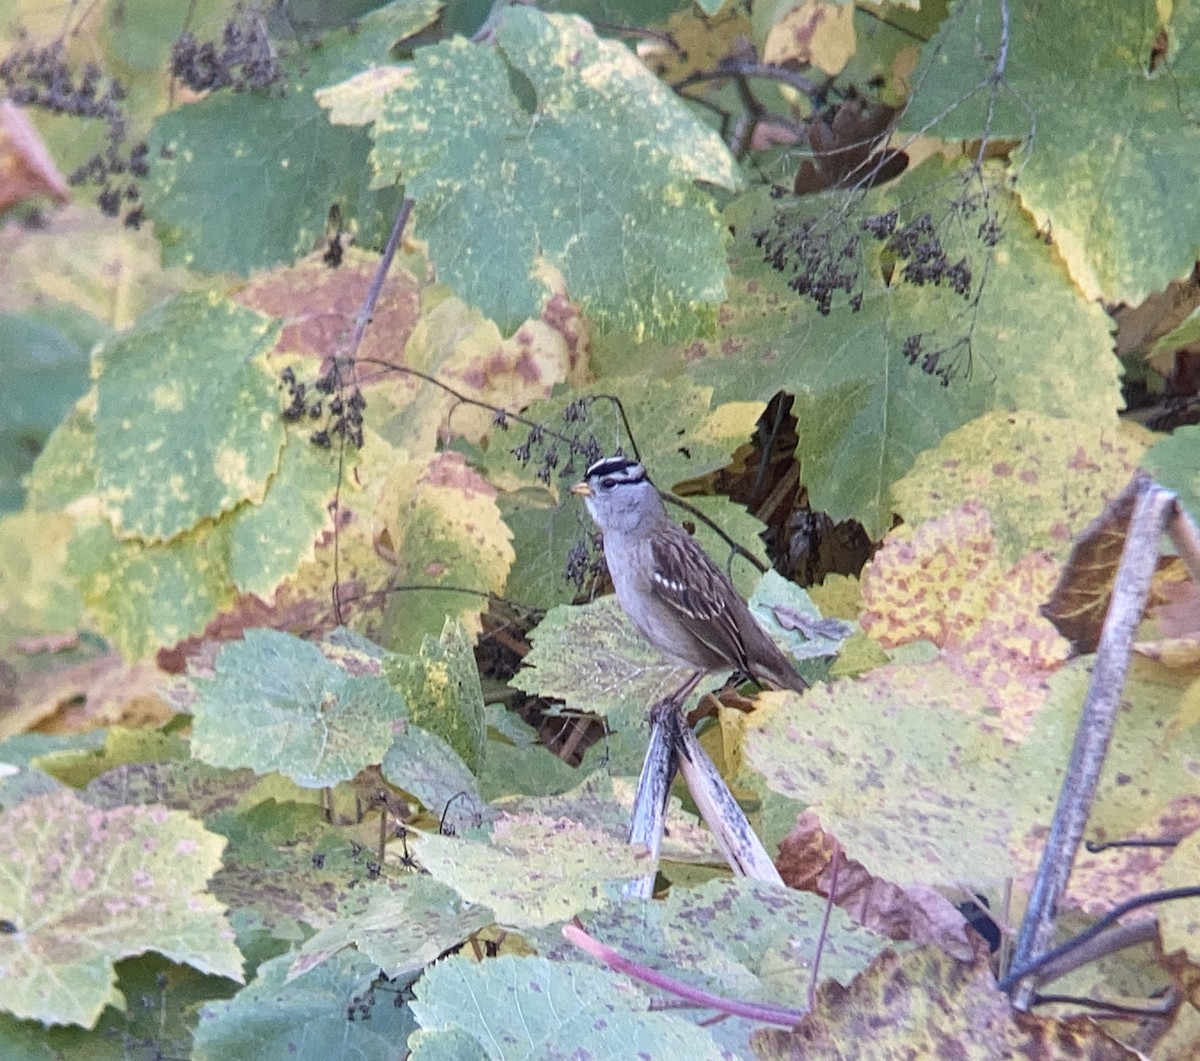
{"x": 930, "y": 1006}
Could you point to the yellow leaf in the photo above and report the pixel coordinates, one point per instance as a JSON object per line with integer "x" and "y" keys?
{"x": 813, "y": 33}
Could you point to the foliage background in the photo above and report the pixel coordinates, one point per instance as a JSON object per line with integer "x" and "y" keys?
{"x": 212, "y": 627}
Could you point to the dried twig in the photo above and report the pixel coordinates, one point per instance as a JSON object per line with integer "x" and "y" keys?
{"x": 1130, "y": 591}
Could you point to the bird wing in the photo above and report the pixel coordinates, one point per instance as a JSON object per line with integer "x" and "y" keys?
{"x": 685, "y": 579}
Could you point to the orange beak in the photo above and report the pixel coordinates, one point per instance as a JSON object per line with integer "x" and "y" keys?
{"x": 582, "y": 489}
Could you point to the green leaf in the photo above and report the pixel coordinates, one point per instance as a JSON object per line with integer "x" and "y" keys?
{"x": 269, "y": 541}
{"x": 37, "y": 592}
{"x": 65, "y": 470}
{"x": 731, "y": 932}
{"x": 164, "y": 999}
{"x": 284, "y": 868}
{"x": 592, "y": 657}
{"x": 533, "y": 869}
{"x": 45, "y": 372}
{"x": 181, "y": 784}
{"x": 734, "y": 938}
{"x": 901, "y": 766}
{"x": 554, "y": 150}
{"x": 864, "y": 412}
{"x": 86, "y": 887}
{"x": 1175, "y": 463}
{"x": 246, "y": 180}
{"x": 278, "y": 704}
{"x": 447, "y": 1044}
{"x": 1149, "y": 743}
{"x": 788, "y": 614}
{"x": 451, "y": 548}
{"x": 307, "y": 1020}
{"x": 146, "y": 597}
{"x": 423, "y": 764}
{"x": 401, "y": 925}
{"x": 22, "y": 774}
{"x": 539, "y": 1008}
{"x": 519, "y": 764}
{"x": 441, "y": 688}
{"x": 1045, "y": 478}
{"x": 543, "y": 536}
{"x": 194, "y": 364}
{"x": 1107, "y": 168}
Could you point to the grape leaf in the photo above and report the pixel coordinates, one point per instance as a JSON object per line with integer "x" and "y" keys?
{"x": 1045, "y": 478}
{"x": 422, "y": 763}
{"x": 285, "y": 869}
{"x": 945, "y": 583}
{"x": 193, "y": 364}
{"x": 441, "y": 688}
{"x": 450, "y": 547}
{"x": 735, "y": 938}
{"x": 864, "y": 411}
{"x": 269, "y": 541}
{"x": 65, "y": 470}
{"x": 144, "y": 597}
{"x": 402, "y": 925}
{"x": 539, "y": 1008}
{"x": 86, "y": 887}
{"x": 163, "y": 1002}
{"x": 34, "y": 585}
{"x": 925, "y": 998}
{"x": 45, "y": 372}
{"x": 533, "y": 869}
{"x": 330, "y": 1013}
{"x": 1175, "y": 463}
{"x": 889, "y": 798}
{"x": 244, "y": 180}
{"x": 278, "y": 704}
{"x": 1104, "y": 170}
{"x": 1180, "y": 924}
{"x": 592, "y": 657}
{"x": 636, "y": 242}
{"x": 1147, "y": 786}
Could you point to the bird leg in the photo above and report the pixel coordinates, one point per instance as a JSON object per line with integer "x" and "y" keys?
{"x": 681, "y": 694}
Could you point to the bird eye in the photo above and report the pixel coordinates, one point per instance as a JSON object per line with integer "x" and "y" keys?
{"x": 608, "y": 482}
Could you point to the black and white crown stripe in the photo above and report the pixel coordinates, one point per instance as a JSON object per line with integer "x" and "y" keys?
{"x": 616, "y": 470}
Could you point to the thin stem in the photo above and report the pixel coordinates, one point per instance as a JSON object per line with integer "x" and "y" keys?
{"x": 760, "y": 1011}
{"x": 365, "y": 313}
{"x": 834, "y": 866}
{"x": 1027, "y": 968}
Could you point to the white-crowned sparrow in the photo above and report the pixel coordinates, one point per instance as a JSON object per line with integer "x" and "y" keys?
{"x": 679, "y": 600}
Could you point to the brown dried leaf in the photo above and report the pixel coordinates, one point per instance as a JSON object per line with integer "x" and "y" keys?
{"x": 916, "y": 913}
{"x": 1179, "y": 613}
{"x": 846, "y": 145}
{"x": 1079, "y": 602}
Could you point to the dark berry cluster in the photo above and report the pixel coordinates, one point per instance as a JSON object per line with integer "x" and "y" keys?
{"x": 244, "y": 60}
{"x": 339, "y": 401}
{"x": 943, "y": 363}
{"x": 546, "y": 447}
{"x": 584, "y": 563}
{"x": 822, "y": 261}
{"x": 919, "y": 243}
{"x": 40, "y": 77}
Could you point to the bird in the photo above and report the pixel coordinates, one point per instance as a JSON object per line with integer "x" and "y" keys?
{"x": 674, "y": 594}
